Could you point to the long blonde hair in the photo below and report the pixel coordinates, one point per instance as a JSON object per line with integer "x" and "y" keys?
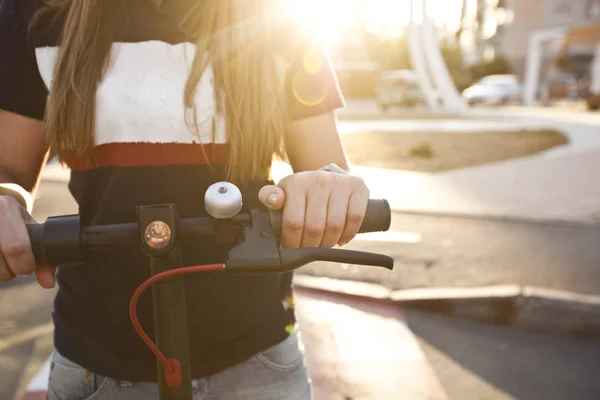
{"x": 232, "y": 36}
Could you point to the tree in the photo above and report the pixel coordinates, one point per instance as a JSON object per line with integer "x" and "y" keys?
{"x": 453, "y": 57}
{"x": 393, "y": 54}
{"x": 385, "y": 52}
{"x": 497, "y": 65}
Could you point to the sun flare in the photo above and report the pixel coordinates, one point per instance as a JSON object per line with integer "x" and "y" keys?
{"x": 325, "y": 18}
{"x": 328, "y": 19}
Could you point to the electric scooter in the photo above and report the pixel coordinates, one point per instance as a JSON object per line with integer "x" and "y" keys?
{"x": 255, "y": 236}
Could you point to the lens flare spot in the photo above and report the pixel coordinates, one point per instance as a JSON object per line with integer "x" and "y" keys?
{"x": 309, "y": 89}
{"x": 291, "y": 328}
{"x": 288, "y": 302}
{"x": 313, "y": 60}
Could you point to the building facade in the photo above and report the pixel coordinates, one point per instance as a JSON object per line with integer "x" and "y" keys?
{"x": 528, "y": 16}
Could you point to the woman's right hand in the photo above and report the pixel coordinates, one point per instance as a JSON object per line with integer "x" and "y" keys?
{"x": 16, "y": 256}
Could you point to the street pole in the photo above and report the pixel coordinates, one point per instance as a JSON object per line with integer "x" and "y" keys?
{"x": 534, "y": 59}
{"x": 417, "y": 58}
{"x": 439, "y": 70}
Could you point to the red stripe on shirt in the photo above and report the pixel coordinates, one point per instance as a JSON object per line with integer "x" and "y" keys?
{"x": 153, "y": 154}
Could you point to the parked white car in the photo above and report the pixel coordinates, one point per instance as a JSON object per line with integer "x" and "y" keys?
{"x": 399, "y": 88}
{"x": 493, "y": 89}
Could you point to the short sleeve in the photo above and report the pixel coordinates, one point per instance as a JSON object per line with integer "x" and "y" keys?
{"x": 22, "y": 89}
{"x": 311, "y": 83}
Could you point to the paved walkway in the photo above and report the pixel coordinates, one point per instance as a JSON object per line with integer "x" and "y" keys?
{"x": 561, "y": 188}
{"x": 355, "y": 349}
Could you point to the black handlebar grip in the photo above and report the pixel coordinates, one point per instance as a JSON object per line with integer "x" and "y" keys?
{"x": 36, "y": 237}
{"x": 378, "y": 217}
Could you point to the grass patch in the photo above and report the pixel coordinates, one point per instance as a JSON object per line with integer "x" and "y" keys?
{"x": 442, "y": 151}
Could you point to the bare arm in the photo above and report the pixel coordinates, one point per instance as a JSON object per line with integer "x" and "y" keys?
{"x": 314, "y": 142}
{"x": 23, "y": 149}
{"x": 23, "y": 146}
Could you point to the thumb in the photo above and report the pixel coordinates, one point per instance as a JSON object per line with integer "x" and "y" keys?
{"x": 272, "y": 196}
{"x": 45, "y": 275}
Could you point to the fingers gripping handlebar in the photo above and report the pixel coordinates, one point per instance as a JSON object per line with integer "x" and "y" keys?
{"x": 255, "y": 254}
{"x": 255, "y": 235}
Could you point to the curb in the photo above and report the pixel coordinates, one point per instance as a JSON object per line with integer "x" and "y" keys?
{"x": 37, "y": 388}
{"x": 528, "y": 307}
{"x": 407, "y": 116}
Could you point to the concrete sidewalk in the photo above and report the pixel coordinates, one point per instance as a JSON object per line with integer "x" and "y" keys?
{"x": 354, "y": 348}
{"x": 561, "y": 188}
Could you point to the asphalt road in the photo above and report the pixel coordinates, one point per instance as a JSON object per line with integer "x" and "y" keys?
{"x": 433, "y": 251}
{"x": 488, "y": 362}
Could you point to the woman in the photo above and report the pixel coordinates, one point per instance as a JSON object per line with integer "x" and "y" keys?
{"x": 145, "y": 113}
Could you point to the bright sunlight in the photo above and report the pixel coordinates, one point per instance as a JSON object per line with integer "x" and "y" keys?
{"x": 329, "y": 18}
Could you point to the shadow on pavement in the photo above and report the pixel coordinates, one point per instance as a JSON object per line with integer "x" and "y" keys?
{"x": 522, "y": 364}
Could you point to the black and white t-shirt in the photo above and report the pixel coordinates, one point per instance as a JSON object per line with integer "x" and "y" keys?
{"x": 147, "y": 155}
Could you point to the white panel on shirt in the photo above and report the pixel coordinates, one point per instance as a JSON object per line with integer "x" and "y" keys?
{"x": 141, "y": 96}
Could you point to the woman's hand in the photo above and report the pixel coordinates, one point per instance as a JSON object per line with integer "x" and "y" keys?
{"x": 320, "y": 209}
{"x": 16, "y": 256}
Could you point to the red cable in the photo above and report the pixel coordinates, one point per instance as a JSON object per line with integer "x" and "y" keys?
{"x": 172, "y": 366}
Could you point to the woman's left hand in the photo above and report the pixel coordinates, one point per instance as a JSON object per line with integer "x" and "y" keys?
{"x": 320, "y": 209}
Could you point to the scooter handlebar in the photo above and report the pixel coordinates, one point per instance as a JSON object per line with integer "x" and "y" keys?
{"x": 62, "y": 241}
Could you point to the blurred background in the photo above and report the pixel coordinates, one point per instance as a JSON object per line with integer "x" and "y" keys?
{"x": 477, "y": 120}
{"x": 547, "y": 47}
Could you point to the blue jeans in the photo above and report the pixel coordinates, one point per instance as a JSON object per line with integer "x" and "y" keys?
{"x": 278, "y": 373}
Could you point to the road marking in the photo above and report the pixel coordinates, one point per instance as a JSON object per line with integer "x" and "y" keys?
{"x": 390, "y": 236}
{"x": 361, "y": 348}
{"x": 35, "y": 374}
{"x": 365, "y": 337}
{"x": 39, "y": 382}
{"x": 26, "y": 336}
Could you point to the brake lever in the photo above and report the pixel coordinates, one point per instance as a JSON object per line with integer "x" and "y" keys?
{"x": 295, "y": 258}
{"x": 259, "y": 252}
{"x": 258, "y": 249}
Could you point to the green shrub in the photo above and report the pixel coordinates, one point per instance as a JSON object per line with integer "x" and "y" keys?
{"x": 421, "y": 150}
